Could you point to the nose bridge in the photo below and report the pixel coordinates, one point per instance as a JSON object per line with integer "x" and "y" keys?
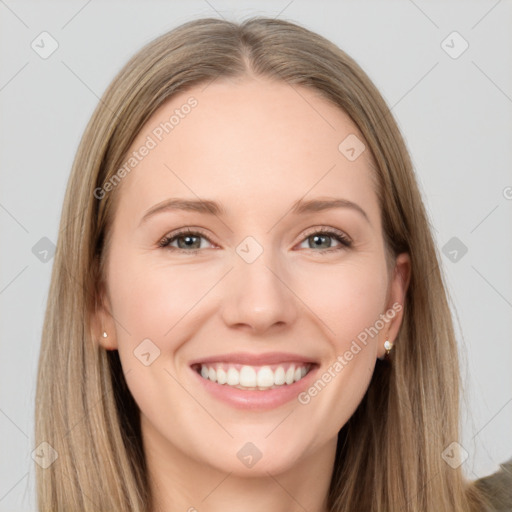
{"x": 256, "y": 293}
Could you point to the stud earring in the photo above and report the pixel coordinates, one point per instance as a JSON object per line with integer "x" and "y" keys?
{"x": 388, "y": 346}
{"x": 105, "y": 335}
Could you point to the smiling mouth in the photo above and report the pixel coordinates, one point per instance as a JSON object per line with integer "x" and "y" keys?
{"x": 250, "y": 378}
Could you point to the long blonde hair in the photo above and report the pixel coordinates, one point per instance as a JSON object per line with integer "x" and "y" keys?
{"x": 389, "y": 455}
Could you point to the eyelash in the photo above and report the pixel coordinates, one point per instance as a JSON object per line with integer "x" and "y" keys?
{"x": 345, "y": 242}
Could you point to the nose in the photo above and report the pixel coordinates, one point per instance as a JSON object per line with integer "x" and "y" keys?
{"x": 258, "y": 297}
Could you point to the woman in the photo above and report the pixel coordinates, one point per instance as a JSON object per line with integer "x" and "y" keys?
{"x": 199, "y": 352}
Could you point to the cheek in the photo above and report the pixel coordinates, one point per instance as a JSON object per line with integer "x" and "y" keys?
{"x": 153, "y": 301}
{"x": 347, "y": 297}
{"x": 150, "y": 299}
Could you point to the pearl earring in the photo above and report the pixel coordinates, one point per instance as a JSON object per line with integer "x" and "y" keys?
{"x": 105, "y": 335}
{"x": 388, "y": 346}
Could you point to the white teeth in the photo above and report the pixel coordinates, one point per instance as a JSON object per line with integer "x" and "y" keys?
{"x": 279, "y": 376}
{"x": 233, "y": 376}
{"x": 222, "y": 377}
{"x": 249, "y": 377}
{"x": 265, "y": 377}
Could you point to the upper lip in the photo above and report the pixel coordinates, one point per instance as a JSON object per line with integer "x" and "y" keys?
{"x": 254, "y": 359}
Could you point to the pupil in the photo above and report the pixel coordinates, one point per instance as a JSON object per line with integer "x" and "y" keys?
{"x": 316, "y": 238}
{"x": 189, "y": 240}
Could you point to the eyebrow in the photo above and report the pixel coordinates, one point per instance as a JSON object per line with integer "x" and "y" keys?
{"x": 209, "y": 207}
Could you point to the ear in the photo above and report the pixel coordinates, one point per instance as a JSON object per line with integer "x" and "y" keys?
{"x": 102, "y": 322}
{"x": 400, "y": 279}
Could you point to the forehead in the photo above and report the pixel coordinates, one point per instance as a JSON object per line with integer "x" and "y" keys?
{"x": 247, "y": 139}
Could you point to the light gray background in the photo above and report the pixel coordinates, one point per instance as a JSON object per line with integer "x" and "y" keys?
{"x": 454, "y": 113}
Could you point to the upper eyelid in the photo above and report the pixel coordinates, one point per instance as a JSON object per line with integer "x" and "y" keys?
{"x": 331, "y": 230}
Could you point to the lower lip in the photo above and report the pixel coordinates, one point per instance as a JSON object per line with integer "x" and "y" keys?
{"x": 257, "y": 400}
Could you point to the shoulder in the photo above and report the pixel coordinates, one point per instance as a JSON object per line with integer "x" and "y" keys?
{"x": 498, "y": 487}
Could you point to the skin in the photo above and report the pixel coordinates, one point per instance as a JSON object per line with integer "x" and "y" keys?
{"x": 255, "y": 146}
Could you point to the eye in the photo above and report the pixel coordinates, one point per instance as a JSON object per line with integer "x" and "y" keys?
{"x": 320, "y": 239}
{"x": 188, "y": 241}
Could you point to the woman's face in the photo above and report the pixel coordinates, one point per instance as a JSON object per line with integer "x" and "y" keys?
{"x": 261, "y": 290}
